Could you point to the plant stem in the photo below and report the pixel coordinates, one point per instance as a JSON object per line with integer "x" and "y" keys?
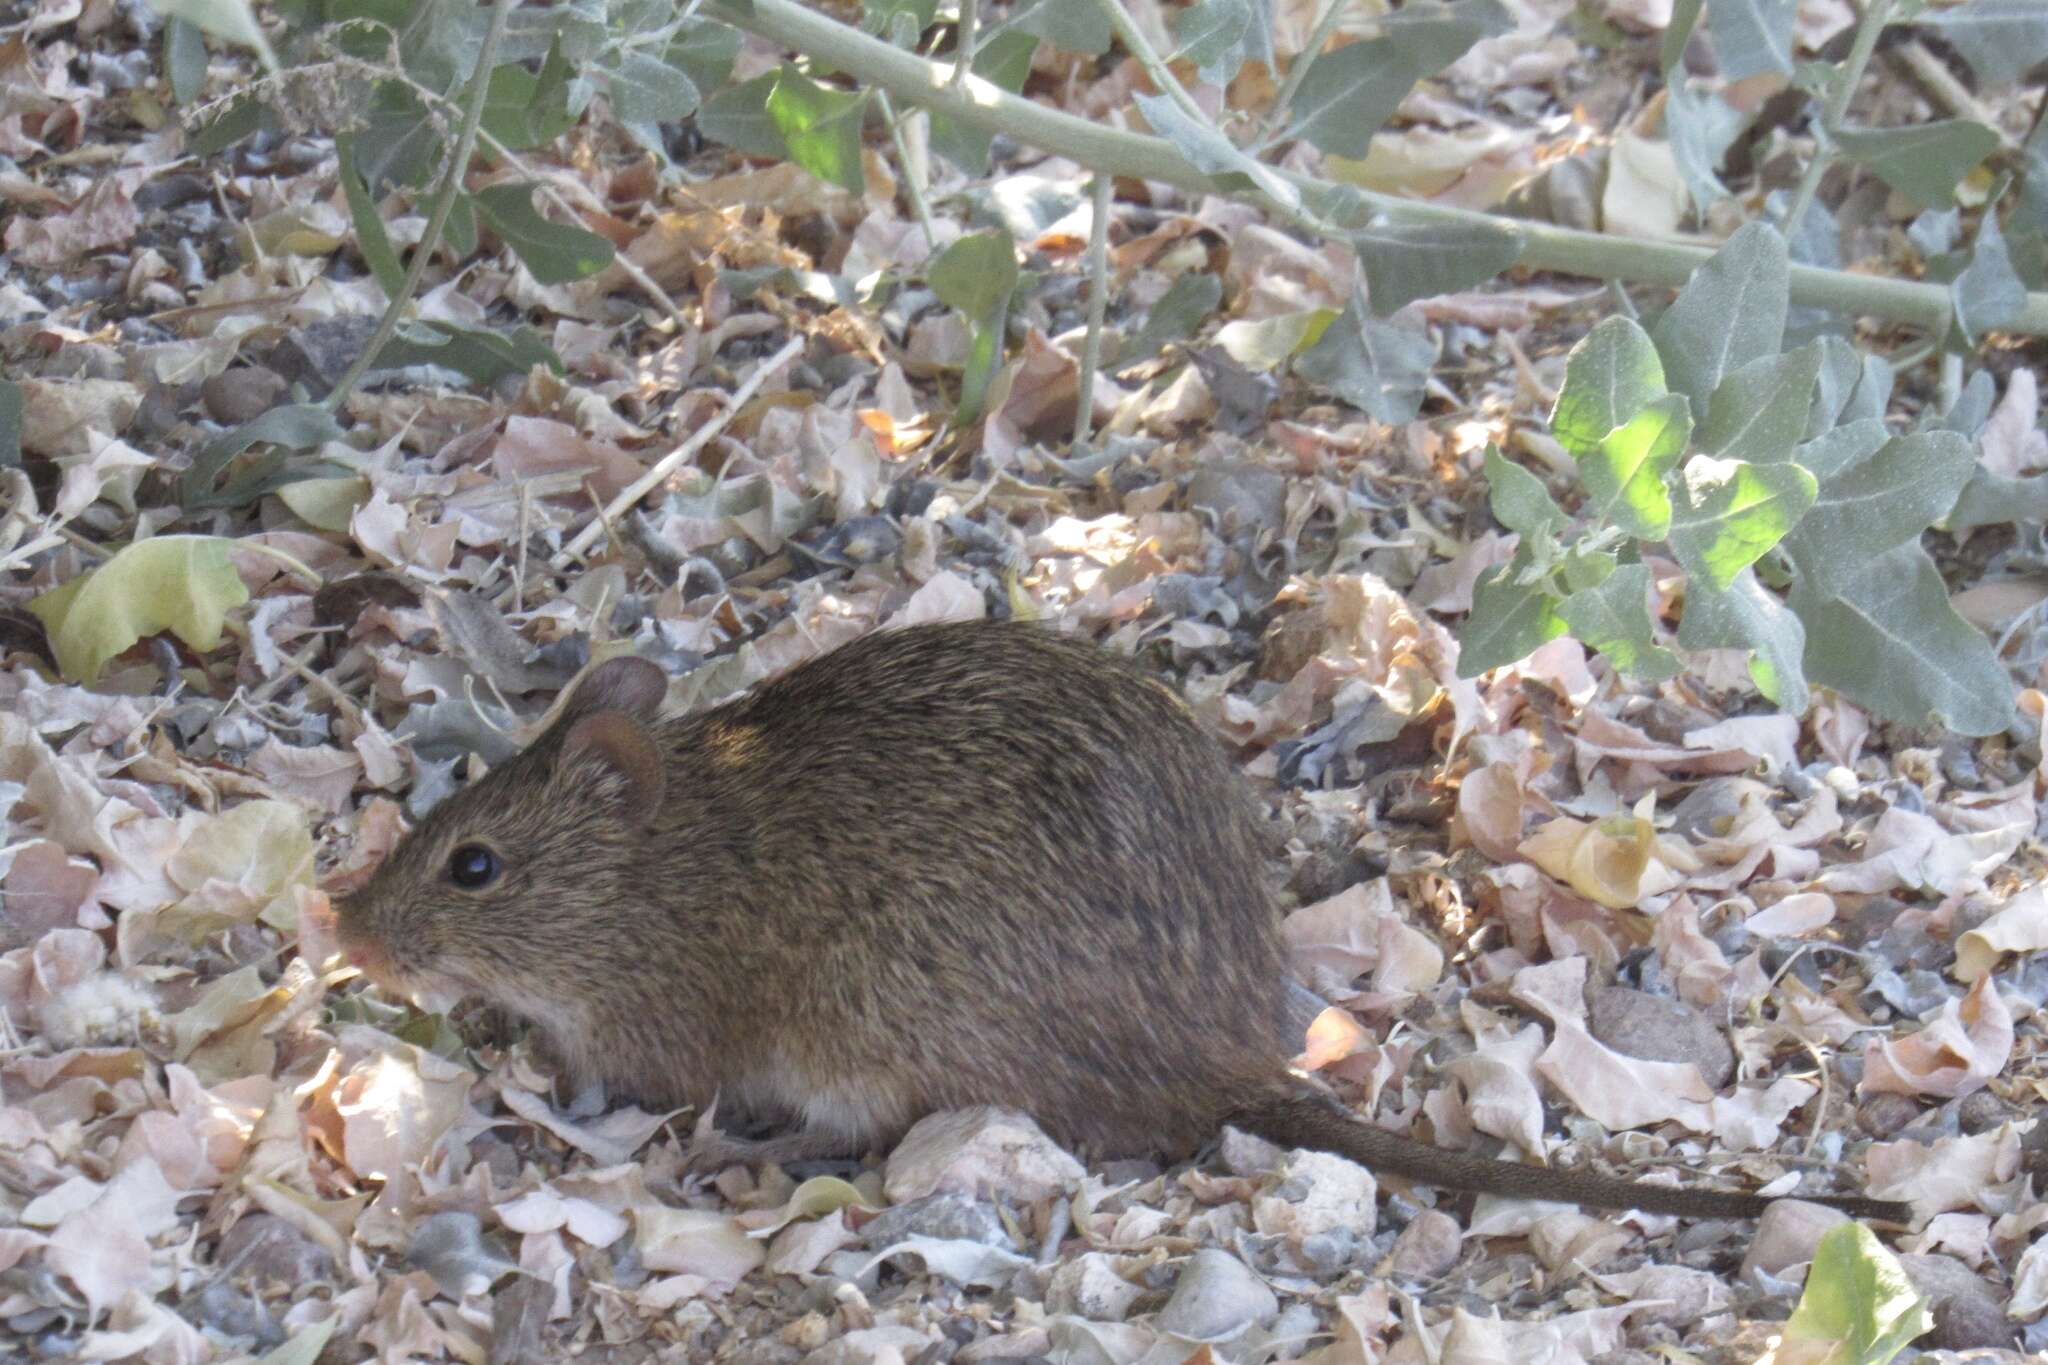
{"x": 444, "y": 204}
{"x": 1098, "y": 309}
{"x": 1297, "y": 70}
{"x": 982, "y": 104}
{"x": 912, "y": 191}
{"x": 1868, "y": 30}
{"x": 1139, "y": 46}
{"x": 963, "y": 47}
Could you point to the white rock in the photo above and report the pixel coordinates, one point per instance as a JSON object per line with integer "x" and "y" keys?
{"x": 885, "y": 1344}
{"x": 1089, "y": 1287}
{"x": 1787, "y": 1234}
{"x": 1216, "y": 1297}
{"x": 1322, "y": 1193}
{"x": 982, "y": 1152}
{"x": 1427, "y": 1247}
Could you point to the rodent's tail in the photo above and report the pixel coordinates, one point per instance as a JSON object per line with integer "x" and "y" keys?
{"x": 1296, "y": 1119}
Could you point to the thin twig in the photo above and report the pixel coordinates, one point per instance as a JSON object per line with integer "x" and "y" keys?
{"x": 670, "y": 462}
{"x": 912, "y": 190}
{"x": 1297, "y": 70}
{"x": 963, "y": 47}
{"x": 1867, "y": 30}
{"x": 1139, "y": 46}
{"x": 1098, "y": 309}
{"x": 437, "y": 221}
{"x": 1934, "y": 77}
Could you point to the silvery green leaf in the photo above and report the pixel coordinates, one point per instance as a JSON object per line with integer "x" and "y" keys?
{"x": 1213, "y": 154}
{"x": 1702, "y": 127}
{"x": 1988, "y": 294}
{"x": 1614, "y": 618}
{"x": 1509, "y": 620}
{"x": 1731, "y": 310}
{"x": 1752, "y": 37}
{"x": 1730, "y": 513}
{"x": 1612, "y": 374}
{"x": 1759, "y": 412}
{"x": 1405, "y": 262}
{"x": 1865, "y": 508}
{"x": 1348, "y": 94}
{"x": 1748, "y": 616}
{"x": 1924, "y": 161}
{"x": 1891, "y": 641}
{"x": 2001, "y": 39}
{"x": 1378, "y": 366}
{"x": 1520, "y": 501}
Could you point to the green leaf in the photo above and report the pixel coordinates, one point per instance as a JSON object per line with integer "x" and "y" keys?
{"x": 1379, "y": 367}
{"x": 1852, "y": 386}
{"x": 880, "y": 16}
{"x": 183, "y": 584}
{"x": 524, "y": 109}
{"x": 482, "y": 357}
{"x": 1993, "y": 500}
{"x": 298, "y": 426}
{"x": 1614, "y": 618}
{"x": 11, "y": 405}
{"x": 1731, "y": 512}
{"x": 1870, "y": 506}
{"x": 1758, "y": 413}
{"x": 2001, "y": 39}
{"x": 704, "y": 51}
{"x": 1732, "y": 309}
{"x": 1858, "y": 1298}
{"x": 821, "y": 127}
{"x": 231, "y": 21}
{"x": 1584, "y": 570}
{"x": 240, "y": 117}
{"x": 737, "y": 117}
{"x": 1069, "y": 25}
{"x": 371, "y": 239}
{"x": 1925, "y": 161}
{"x": 1220, "y": 36}
{"x": 1831, "y": 452}
{"x": 645, "y": 88}
{"x": 1701, "y": 127}
{"x": 1891, "y": 641}
{"x": 1752, "y": 37}
{"x": 1004, "y": 61}
{"x": 185, "y": 59}
{"x": 1624, "y": 475}
{"x": 1988, "y": 294}
{"x": 305, "y": 1344}
{"x": 977, "y": 275}
{"x": 555, "y": 253}
{"x": 1349, "y": 94}
{"x": 1266, "y": 343}
{"x": 1509, "y": 621}
{"x": 1405, "y": 262}
{"x": 1213, "y": 154}
{"x": 1610, "y": 376}
{"x": 1748, "y": 616}
{"x": 1520, "y": 501}
{"x": 397, "y": 144}
{"x": 1180, "y": 310}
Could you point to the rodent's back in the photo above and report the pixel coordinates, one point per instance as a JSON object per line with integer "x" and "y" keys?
{"x": 978, "y": 863}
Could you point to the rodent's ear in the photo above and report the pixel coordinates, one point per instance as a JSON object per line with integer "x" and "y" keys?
{"x": 628, "y": 683}
{"x": 622, "y": 744}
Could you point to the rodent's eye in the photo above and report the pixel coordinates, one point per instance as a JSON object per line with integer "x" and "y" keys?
{"x": 472, "y": 866}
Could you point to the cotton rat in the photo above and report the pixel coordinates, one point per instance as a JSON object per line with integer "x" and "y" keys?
{"x": 944, "y": 865}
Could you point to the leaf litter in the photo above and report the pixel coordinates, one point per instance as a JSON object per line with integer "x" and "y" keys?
{"x": 1544, "y": 913}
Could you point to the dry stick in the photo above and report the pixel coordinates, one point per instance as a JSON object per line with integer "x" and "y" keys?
{"x": 1098, "y": 308}
{"x": 912, "y": 191}
{"x": 444, "y": 204}
{"x": 1935, "y": 77}
{"x": 982, "y": 104}
{"x": 668, "y": 463}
